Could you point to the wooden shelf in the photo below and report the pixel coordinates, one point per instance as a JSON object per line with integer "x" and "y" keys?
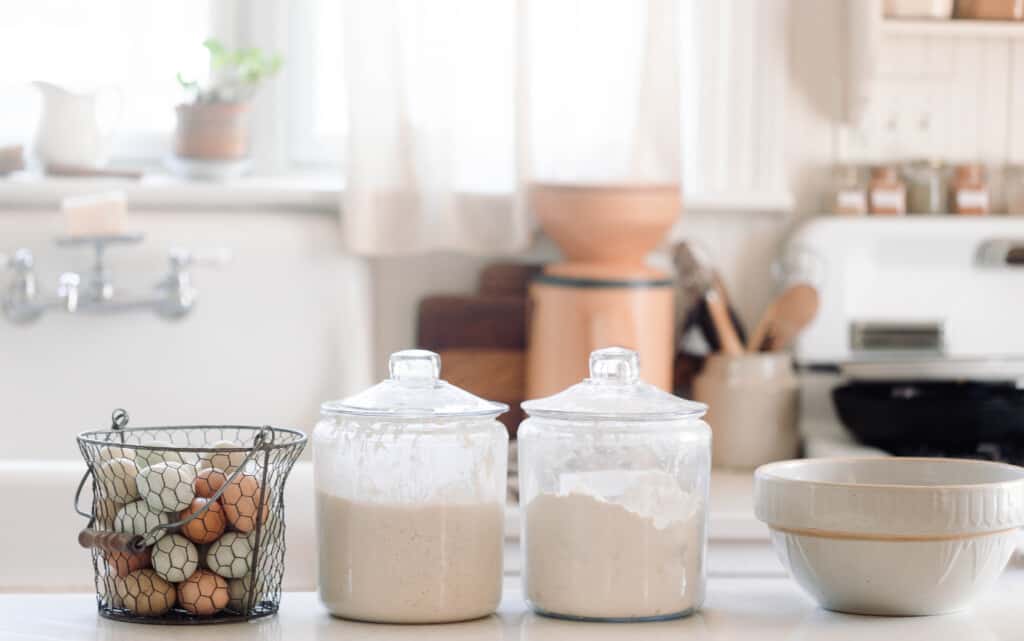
{"x": 992, "y": 29}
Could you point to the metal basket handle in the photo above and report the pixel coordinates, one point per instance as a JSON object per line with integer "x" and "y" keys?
{"x": 90, "y": 537}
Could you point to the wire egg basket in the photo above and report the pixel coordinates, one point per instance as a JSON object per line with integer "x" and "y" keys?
{"x": 187, "y": 523}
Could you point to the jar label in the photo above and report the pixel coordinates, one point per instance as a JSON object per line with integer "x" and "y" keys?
{"x": 851, "y": 201}
{"x": 972, "y": 199}
{"x": 888, "y": 199}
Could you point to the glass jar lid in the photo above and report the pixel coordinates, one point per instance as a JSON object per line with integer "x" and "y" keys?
{"x": 414, "y": 390}
{"x": 614, "y": 391}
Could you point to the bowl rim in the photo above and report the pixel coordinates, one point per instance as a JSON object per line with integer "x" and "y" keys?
{"x": 767, "y": 472}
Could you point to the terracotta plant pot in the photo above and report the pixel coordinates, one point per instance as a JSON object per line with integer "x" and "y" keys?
{"x": 609, "y": 225}
{"x": 212, "y": 131}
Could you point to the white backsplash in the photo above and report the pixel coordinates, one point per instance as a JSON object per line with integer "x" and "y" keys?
{"x": 941, "y": 96}
{"x": 276, "y": 332}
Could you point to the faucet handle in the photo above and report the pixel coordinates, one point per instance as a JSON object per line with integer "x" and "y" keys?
{"x": 67, "y": 290}
{"x": 214, "y": 257}
{"x": 20, "y": 261}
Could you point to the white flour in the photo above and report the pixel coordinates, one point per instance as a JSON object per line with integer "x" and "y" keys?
{"x": 637, "y": 555}
{"x": 419, "y": 563}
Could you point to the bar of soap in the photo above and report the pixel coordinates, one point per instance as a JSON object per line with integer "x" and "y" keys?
{"x": 100, "y": 214}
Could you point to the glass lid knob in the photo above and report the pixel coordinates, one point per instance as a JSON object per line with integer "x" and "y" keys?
{"x": 418, "y": 366}
{"x": 614, "y": 365}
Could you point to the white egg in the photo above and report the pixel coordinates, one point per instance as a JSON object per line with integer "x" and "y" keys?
{"x": 230, "y": 556}
{"x": 175, "y": 558}
{"x": 115, "y": 451}
{"x": 167, "y": 487}
{"x": 226, "y": 461}
{"x": 117, "y": 480}
{"x": 238, "y": 592}
{"x": 139, "y": 518}
{"x": 164, "y": 452}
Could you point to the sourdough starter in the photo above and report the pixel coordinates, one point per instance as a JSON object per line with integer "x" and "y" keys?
{"x": 417, "y": 563}
{"x": 589, "y": 557}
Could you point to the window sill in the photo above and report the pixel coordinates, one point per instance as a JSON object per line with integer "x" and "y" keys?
{"x": 304, "y": 191}
{"x": 300, "y": 191}
{"x": 739, "y": 202}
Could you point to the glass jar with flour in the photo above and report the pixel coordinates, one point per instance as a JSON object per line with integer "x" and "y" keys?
{"x": 613, "y": 479}
{"x": 410, "y": 492}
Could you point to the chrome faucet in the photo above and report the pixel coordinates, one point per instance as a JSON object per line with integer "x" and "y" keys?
{"x": 19, "y": 303}
{"x": 174, "y": 295}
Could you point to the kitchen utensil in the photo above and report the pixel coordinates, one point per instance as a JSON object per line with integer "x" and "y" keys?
{"x": 604, "y": 294}
{"x": 701, "y": 283}
{"x": 752, "y": 404}
{"x": 947, "y": 414}
{"x": 410, "y": 486}
{"x": 785, "y": 317}
{"x": 155, "y": 468}
{"x": 70, "y": 130}
{"x": 614, "y": 487}
{"x": 892, "y": 536}
{"x": 691, "y": 305}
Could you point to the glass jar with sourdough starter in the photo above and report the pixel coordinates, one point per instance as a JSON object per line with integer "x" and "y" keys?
{"x": 613, "y": 481}
{"x": 410, "y": 492}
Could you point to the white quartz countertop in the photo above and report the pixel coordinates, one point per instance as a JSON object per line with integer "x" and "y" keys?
{"x": 736, "y": 609}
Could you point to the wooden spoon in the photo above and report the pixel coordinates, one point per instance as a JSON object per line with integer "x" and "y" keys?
{"x": 786, "y": 317}
{"x": 698, "y": 281}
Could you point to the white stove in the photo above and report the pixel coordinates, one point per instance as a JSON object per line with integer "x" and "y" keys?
{"x": 912, "y": 300}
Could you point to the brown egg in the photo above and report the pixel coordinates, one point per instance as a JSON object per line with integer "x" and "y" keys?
{"x": 207, "y": 527}
{"x": 209, "y": 481}
{"x": 124, "y": 563}
{"x": 240, "y": 500}
{"x": 145, "y": 593}
{"x": 204, "y": 593}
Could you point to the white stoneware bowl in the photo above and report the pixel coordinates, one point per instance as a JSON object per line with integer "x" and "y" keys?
{"x": 892, "y": 536}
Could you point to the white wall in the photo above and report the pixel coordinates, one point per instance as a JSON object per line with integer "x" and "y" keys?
{"x": 276, "y": 332}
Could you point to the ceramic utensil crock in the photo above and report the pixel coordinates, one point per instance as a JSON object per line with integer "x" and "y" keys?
{"x": 603, "y": 293}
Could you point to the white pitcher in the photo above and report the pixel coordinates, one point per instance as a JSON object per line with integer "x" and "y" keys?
{"x": 70, "y": 131}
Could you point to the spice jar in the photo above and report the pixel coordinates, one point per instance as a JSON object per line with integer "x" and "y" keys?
{"x": 887, "y": 194}
{"x": 410, "y": 492}
{"x": 848, "y": 194}
{"x": 927, "y": 187}
{"x": 967, "y": 191}
{"x": 1013, "y": 186}
{"x": 613, "y": 479}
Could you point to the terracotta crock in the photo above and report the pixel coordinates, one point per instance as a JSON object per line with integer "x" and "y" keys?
{"x": 212, "y": 131}
{"x": 604, "y": 294}
{"x": 608, "y": 225}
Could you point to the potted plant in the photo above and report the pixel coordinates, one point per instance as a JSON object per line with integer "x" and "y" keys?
{"x": 213, "y": 126}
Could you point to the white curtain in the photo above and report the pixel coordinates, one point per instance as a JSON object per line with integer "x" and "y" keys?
{"x": 455, "y": 106}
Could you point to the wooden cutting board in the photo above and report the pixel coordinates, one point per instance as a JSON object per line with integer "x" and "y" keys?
{"x": 482, "y": 337}
{"x": 447, "y": 322}
{"x": 494, "y": 374}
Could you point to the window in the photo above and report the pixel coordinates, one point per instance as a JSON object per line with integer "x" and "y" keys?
{"x": 130, "y": 49}
{"x": 316, "y": 91}
{"x": 732, "y": 76}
